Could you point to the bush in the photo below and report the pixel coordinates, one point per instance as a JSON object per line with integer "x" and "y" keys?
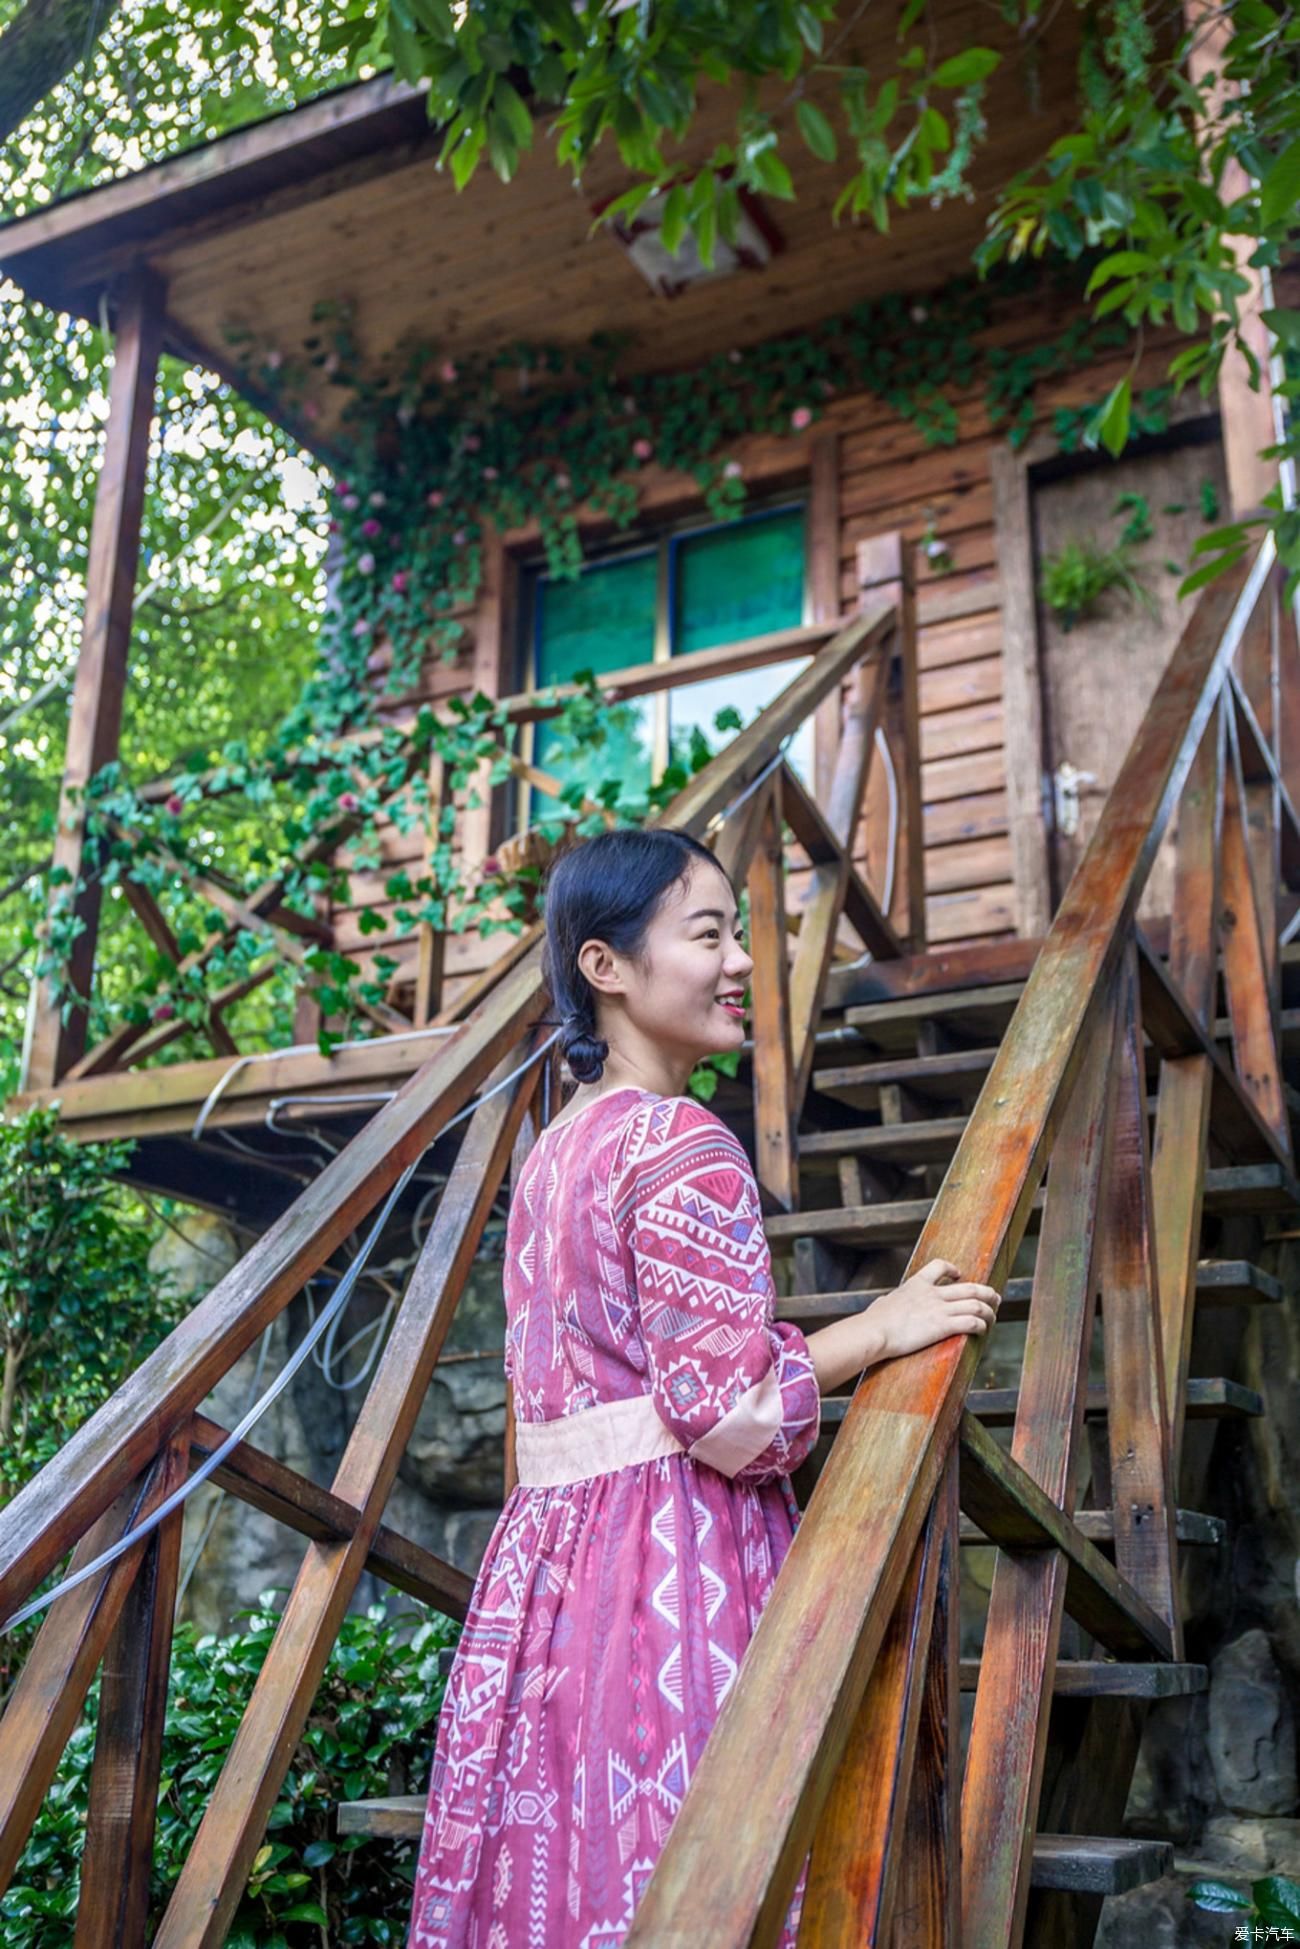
{"x": 370, "y": 1734}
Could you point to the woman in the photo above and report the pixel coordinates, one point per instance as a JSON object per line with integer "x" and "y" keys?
{"x": 659, "y": 1412}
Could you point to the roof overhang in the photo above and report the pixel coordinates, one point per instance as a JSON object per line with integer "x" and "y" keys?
{"x": 342, "y": 200}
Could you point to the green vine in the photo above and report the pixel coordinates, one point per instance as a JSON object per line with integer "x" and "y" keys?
{"x": 442, "y": 451}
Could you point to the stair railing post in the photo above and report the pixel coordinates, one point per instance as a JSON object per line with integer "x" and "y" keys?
{"x": 886, "y": 563}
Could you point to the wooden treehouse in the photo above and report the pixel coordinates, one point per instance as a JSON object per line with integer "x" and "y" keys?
{"x": 1020, "y": 903}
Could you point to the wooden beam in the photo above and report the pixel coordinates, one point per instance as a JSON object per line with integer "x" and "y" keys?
{"x": 1012, "y": 1511}
{"x": 1022, "y": 701}
{"x": 776, "y": 1149}
{"x": 824, "y": 586}
{"x": 117, "y": 1861}
{"x": 96, "y": 719}
{"x": 304, "y": 1507}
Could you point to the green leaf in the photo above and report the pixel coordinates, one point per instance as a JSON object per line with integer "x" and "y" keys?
{"x": 304, "y": 1912}
{"x": 1280, "y": 190}
{"x": 1277, "y": 1898}
{"x": 1113, "y": 420}
{"x": 1218, "y": 1897}
{"x": 963, "y": 70}
{"x": 1285, "y": 326}
{"x": 816, "y": 131}
{"x": 672, "y": 227}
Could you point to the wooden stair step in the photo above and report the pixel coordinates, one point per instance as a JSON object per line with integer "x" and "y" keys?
{"x": 1219, "y": 1282}
{"x": 957, "y": 1073}
{"x": 398, "y": 1818}
{"x": 1081, "y": 1862}
{"x": 928, "y": 1141}
{"x": 1098, "y": 1526}
{"x": 1237, "y": 1188}
{"x": 1087, "y": 1864}
{"x": 1108, "y": 1678}
{"x": 1207, "y": 1400}
{"x": 981, "y": 1013}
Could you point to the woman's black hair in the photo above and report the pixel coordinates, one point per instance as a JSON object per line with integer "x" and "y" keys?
{"x": 607, "y": 889}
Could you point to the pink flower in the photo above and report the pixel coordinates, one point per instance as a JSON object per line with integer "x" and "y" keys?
{"x": 176, "y": 805}
{"x": 343, "y": 487}
{"x": 370, "y": 527}
{"x": 164, "y": 1012}
{"x": 310, "y": 411}
{"x": 489, "y": 473}
{"x": 366, "y": 563}
{"x": 273, "y": 361}
{"x": 401, "y": 582}
{"x": 491, "y": 864}
{"x": 361, "y": 627}
{"x": 471, "y": 443}
{"x": 642, "y": 449}
{"x": 433, "y": 500}
{"x": 348, "y": 801}
{"x": 377, "y": 500}
{"x": 330, "y": 364}
{"x": 563, "y": 483}
{"x": 447, "y": 373}
{"x": 732, "y": 471}
{"x": 459, "y": 538}
{"x": 351, "y": 503}
{"x": 801, "y": 417}
{"x": 334, "y": 527}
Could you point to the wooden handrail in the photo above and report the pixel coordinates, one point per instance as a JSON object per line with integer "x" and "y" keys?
{"x": 785, "y": 1725}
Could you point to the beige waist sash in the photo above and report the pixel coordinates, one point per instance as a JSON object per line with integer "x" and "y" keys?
{"x": 615, "y": 1435}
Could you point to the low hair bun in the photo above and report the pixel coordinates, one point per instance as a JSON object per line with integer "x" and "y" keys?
{"x": 585, "y": 1053}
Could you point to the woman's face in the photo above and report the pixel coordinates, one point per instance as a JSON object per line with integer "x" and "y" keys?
{"x": 685, "y": 992}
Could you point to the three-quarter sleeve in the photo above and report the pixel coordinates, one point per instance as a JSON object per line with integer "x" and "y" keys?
{"x": 738, "y": 1389}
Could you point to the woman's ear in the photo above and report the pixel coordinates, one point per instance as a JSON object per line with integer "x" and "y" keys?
{"x": 600, "y": 968}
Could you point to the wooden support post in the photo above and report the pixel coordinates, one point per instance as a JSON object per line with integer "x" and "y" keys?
{"x": 1244, "y": 927}
{"x": 96, "y": 719}
{"x": 432, "y": 951}
{"x": 927, "y": 1898}
{"x": 46, "y": 1702}
{"x": 1008, "y": 1740}
{"x": 824, "y": 589}
{"x": 483, "y": 825}
{"x": 856, "y": 1864}
{"x": 775, "y": 1141}
{"x": 885, "y": 564}
{"x": 1146, "y": 1548}
{"x": 115, "y": 1868}
{"x": 1187, "y": 1082}
{"x": 1022, "y": 691}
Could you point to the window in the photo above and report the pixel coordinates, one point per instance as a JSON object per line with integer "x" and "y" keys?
{"x": 691, "y": 590}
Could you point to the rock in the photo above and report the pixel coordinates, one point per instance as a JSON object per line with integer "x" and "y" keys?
{"x": 1255, "y": 1847}
{"x": 1173, "y": 1787}
{"x": 1251, "y": 1729}
{"x": 1159, "y": 1916}
{"x": 196, "y": 1250}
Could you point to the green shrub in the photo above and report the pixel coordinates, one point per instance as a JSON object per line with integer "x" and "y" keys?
{"x": 370, "y": 1734}
{"x": 1078, "y": 575}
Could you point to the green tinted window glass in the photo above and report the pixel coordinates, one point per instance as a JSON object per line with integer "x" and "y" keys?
{"x": 737, "y": 581}
{"x": 603, "y": 621}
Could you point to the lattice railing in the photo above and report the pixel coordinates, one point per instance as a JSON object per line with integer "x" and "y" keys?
{"x": 132, "y": 1456}
{"x": 839, "y": 1734}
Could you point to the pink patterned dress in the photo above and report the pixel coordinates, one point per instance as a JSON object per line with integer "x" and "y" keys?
{"x": 659, "y": 1412}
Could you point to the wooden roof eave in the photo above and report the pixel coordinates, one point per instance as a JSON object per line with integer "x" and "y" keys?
{"x": 72, "y": 255}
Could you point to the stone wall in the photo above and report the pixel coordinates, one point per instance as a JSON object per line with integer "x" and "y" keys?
{"x": 449, "y": 1487}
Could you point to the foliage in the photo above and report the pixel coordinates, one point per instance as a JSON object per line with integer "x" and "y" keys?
{"x": 369, "y": 1734}
{"x": 1080, "y": 573}
{"x": 1273, "y": 1902}
{"x": 79, "y": 1306}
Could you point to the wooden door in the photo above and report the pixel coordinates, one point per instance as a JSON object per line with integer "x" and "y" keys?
{"x": 1097, "y": 674}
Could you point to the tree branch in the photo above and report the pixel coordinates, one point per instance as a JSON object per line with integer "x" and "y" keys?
{"x": 40, "y": 46}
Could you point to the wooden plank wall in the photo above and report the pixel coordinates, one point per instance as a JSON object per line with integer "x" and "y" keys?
{"x": 888, "y": 478}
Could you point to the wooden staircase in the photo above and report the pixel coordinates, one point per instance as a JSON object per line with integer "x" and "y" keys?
{"x": 1101, "y": 1134}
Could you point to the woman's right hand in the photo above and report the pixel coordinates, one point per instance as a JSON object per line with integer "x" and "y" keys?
{"x": 933, "y": 1304}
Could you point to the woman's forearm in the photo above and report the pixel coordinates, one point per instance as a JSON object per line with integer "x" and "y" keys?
{"x": 840, "y": 1352}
